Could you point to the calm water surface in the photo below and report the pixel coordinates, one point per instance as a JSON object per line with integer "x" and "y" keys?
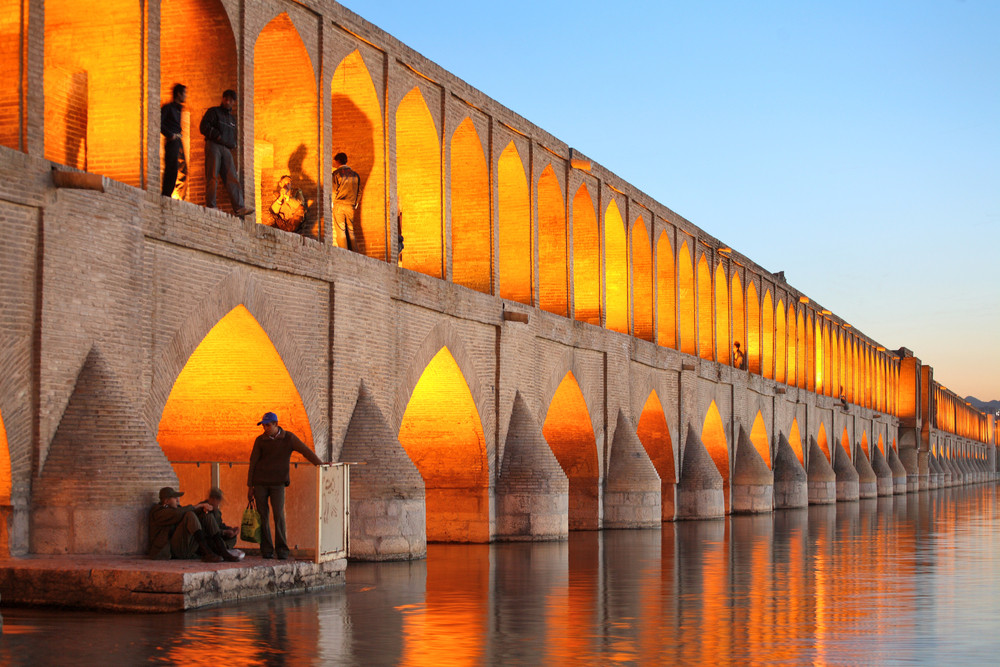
{"x": 904, "y": 580}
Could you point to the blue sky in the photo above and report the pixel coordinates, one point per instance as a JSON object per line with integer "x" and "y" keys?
{"x": 854, "y": 145}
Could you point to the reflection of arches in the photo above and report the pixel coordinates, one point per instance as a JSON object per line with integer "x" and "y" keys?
{"x": 795, "y": 440}
{"x": 207, "y": 71}
{"x": 713, "y": 435}
{"x": 686, "y": 311}
{"x": 285, "y": 115}
{"x": 237, "y": 367}
{"x": 760, "y": 439}
{"x": 821, "y": 440}
{"x": 779, "y": 340}
{"x": 753, "y": 329}
{"x": 553, "y": 287}
{"x": 357, "y": 130}
{"x": 5, "y": 474}
{"x": 654, "y": 434}
{"x": 705, "y": 349}
{"x": 418, "y": 185}
{"x": 642, "y": 281}
{"x": 92, "y": 87}
{"x": 568, "y": 431}
{"x": 722, "y": 316}
{"x": 586, "y": 259}
{"x": 615, "y": 270}
{"x": 666, "y": 313}
{"x": 514, "y": 235}
{"x": 471, "y": 235}
{"x": 442, "y": 434}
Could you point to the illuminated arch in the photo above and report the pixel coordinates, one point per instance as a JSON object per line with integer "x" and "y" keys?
{"x": 795, "y": 440}
{"x": 514, "y": 235}
{"x": 471, "y": 230}
{"x": 686, "y": 312}
{"x": 442, "y": 434}
{"x": 793, "y": 327}
{"x": 615, "y": 270}
{"x": 13, "y": 132}
{"x": 713, "y": 435}
{"x": 552, "y": 253}
{"x": 821, "y": 440}
{"x": 235, "y": 366}
{"x": 845, "y": 442}
{"x": 358, "y": 131}
{"x": 418, "y": 185}
{"x": 759, "y": 438}
{"x": 864, "y": 445}
{"x": 285, "y": 116}
{"x": 810, "y": 367}
{"x": 666, "y": 307}
{"x": 705, "y": 348}
{"x": 568, "y": 431}
{"x": 654, "y": 434}
{"x": 739, "y": 316}
{"x": 586, "y": 259}
{"x": 753, "y": 329}
{"x": 5, "y": 474}
{"x": 779, "y": 340}
{"x": 212, "y": 66}
{"x": 93, "y": 86}
{"x": 767, "y": 335}
{"x": 852, "y": 368}
{"x": 722, "y": 316}
{"x": 820, "y": 360}
{"x": 801, "y": 351}
{"x": 837, "y": 369}
{"x": 881, "y": 444}
{"x": 642, "y": 281}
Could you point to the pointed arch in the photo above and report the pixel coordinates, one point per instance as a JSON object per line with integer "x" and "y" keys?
{"x": 5, "y": 472}
{"x": 845, "y": 442}
{"x": 753, "y": 329}
{"x": 794, "y": 326}
{"x": 418, "y": 185}
{"x": 471, "y": 227}
{"x": 615, "y": 270}
{"x": 553, "y": 286}
{"x": 780, "y": 340}
{"x": 514, "y": 228}
{"x": 881, "y": 444}
{"x": 795, "y": 440}
{"x": 761, "y": 441}
{"x": 820, "y": 357}
{"x": 666, "y": 306}
{"x": 738, "y": 314}
{"x": 864, "y": 445}
{"x": 767, "y": 335}
{"x": 685, "y": 288}
{"x": 285, "y": 117}
{"x": 567, "y": 429}
{"x": 802, "y": 351}
{"x": 713, "y": 435}
{"x": 586, "y": 258}
{"x": 356, "y": 115}
{"x": 810, "y": 338}
{"x": 642, "y": 281}
{"x": 722, "y": 344}
{"x": 821, "y": 440}
{"x": 705, "y": 343}
{"x": 442, "y": 434}
{"x": 654, "y": 434}
{"x": 237, "y": 366}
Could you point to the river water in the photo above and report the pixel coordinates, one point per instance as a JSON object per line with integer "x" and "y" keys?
{"x": 906, "y": 580}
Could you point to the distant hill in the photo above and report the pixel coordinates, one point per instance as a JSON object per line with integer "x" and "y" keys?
{"x": 986, "y": 406}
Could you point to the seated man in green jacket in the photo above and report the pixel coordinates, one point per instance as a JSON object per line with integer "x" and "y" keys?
{"x": 185, "y": 532}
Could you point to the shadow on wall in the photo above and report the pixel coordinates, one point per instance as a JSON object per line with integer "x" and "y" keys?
{"x": 352, "y": 134}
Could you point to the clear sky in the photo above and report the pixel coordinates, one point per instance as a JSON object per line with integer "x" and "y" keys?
{"x": 854, "y": 145}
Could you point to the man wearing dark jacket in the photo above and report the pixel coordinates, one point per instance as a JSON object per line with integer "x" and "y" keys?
{"x": 219, "y": 127}
{"x": 174, "y": 163}
{"x": 183, "y": 532}
{"x": 268, "y": 477}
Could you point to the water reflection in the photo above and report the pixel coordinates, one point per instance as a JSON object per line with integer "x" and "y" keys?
{"x": 884, "y": 580}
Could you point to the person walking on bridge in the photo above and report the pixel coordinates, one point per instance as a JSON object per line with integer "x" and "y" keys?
{"x": 268, "y": 477}
{"x": 219, "y": 127}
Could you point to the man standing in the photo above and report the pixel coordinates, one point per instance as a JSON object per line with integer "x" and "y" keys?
{"x": 346, "y": 196}
{"x": 183, "y": 532}
{"x": 174, "y": 163}
{"x": 219, "y": 127}
{"x": 268, "y": 477}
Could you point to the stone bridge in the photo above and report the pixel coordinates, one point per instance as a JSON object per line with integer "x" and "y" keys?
{"x": 525, "y": 344}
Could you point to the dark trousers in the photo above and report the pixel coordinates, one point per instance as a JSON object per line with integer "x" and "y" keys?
{"x": 219, "y": 161}
{"x": 182, "y": 541}
{"x": 175, "y": 170}
{"x": 276, "y": 494}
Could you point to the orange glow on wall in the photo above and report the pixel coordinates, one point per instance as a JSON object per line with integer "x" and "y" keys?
{"x": 586, "y": 259}
{"x": 5, "y": 475}
{"x": 654, "y": 434}
{"x": 568, "y": 431}
{"x": 686, "y": 312}
{"x": 845, "y": 442}
{"x": 758, "y": 436}
{"x": 11, "y": 73}
{"x": 358, "y": 131}
{"x": 864, "y": 445}
{"x": 471, "y": 229}
{"x": 802, "y": 351}
{"x": 285, "y": 114}
{"x": 881, "y": 444}
{"x": 615, "y": 270}
{"x": 753, "y": 342}
{"x": 206, "y": 71}
{"x": 820, "y": 346}
{"x": 233, "y": 377}
{"x": 794, "y": 328}
{"x": 738, "y": 315}
{"x": 642, "y": 281}
{"x": 93, "y": 88}
{"x": 780, "y": 341}
{"x": 442, "y": 433}
{"x": 821, "y": 440}
{"x": 705, "y": 346}
{"x": 713, "y": 435}
{"x": 767, "y": 336}
{"x": 553, "y": 263}
{"x": 795, "y": 440}
{"x": 810, "y": 367}
{"x": 666, "y": 305}
{"x": 722, "y": 317}
{"x": 418, "y": 185}
{"x": 514, "y": 227}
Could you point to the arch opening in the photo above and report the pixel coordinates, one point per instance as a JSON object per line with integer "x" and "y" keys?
{"x": 12, "y": 44}
{"x": 794, "y": 326}
{"x": 821, "y": 440}
{"x": 722, "y": 343}
{"x": 767, "y": 336}
{"x": 795, "y": 440}
{"x": 615, "y": 270}
{"x": 418, "y": 186}
{"x": 864, "y": 445}
{"x": 666, "y": 306}
{"x": 760, "y": 439}
{"x": 642, "y": 281}
{"x": 754, "y": 343}
{"x": 586, "y": 259}
{"x": 553, "y": 288}
{"x": 654, "y": 434}
{"x": 738, "y": 315}
{"x": 443, "y": 436}
{"x": 705, "y": 343}
{"x": 685, "y": 289}
{"x": 570, "y": 434}
{"x": 471, "y": 227}
{"x": 845, "y": 442}
{"x": 779, "y": 342}
{"x": 713, "y": 435}
{"x": 514, "y": 233}
{"x": 5, "y": 473}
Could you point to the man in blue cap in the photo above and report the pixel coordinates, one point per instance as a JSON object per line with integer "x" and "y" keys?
{"x": 268, "y": 477}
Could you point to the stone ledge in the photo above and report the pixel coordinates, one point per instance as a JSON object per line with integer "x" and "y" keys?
{"x": 123, "y": 583}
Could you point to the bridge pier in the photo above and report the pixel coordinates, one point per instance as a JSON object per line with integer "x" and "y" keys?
{"x": 632, "y": 487}
{"x": 899, "y": 476}
{"x": 822, "y": 478}
{"x": 699, "y": 491}
{"x": 753, "y": 482}
{"x": 791, "y": 488}
{"x": 867, "y": 481}
{"x": 848, "y": 488}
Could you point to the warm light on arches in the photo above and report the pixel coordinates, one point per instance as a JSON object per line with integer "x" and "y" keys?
{"x": 864, "y": 445}
{"x": 233, "y": 377}
{"x": 586, "y": 259}
{"x": 642, "y": 281}
{"x": 514, "y": 235}
{"x": 881, "y": 444}
{"x": 615, "y": 270}
{"x": 753, "y": 329}
{"x": 418, "y": 185}
{"x": 722, "y": 316}
{"x": 705, "y": 347}
{"x": 713, "y": 435}
{"x": 471, "y": 233}
{"x": 845, "y": 442}
{"x": 821, "y": 440}
{"x": 568, "y": 431}
{"x": 552, "y": 254}
{"x": 793, "y": 326}
{"x": 760, "y": 440}
{"x": 443, "y": 435}
{"x": 5, "y": 475}
{"x": 795, "y": 440}
{"x": 767, "y": 335}
{"x": 739, "y": 318}
{"x": 686, "y": 312}
{"x": 780, "y": 340}
{"x": 666, "y": 310}
{"x": 654, "y": 434}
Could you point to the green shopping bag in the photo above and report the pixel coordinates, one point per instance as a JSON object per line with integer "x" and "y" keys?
{"x": 250, "y": 529}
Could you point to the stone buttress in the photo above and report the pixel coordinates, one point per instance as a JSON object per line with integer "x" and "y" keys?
{"x": 699, "y": 491}
{"x": 790, "y": 480}
{"x": 632, "y": 486}
{"x": 867, "y": 481}
{"x": 752, "y": 489}
{"x": 822, "y": 478}
{"x": 847, "y": 476}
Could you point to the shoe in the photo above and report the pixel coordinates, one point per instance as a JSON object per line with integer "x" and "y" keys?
{"x": 239, "y": 552}
{"x": 283, "y": 556}
{"x": 267, "y": 555}
{"x": 244, "y": 212}
{"x": 211, "y": 557}
{"x": 231, "y": 557}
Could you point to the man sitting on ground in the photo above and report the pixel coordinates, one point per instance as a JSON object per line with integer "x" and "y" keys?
{"x": 185, "y": 532}
{"x": 229, "y": 533}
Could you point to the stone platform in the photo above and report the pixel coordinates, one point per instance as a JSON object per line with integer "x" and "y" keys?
{"x": 133, "y": 583}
